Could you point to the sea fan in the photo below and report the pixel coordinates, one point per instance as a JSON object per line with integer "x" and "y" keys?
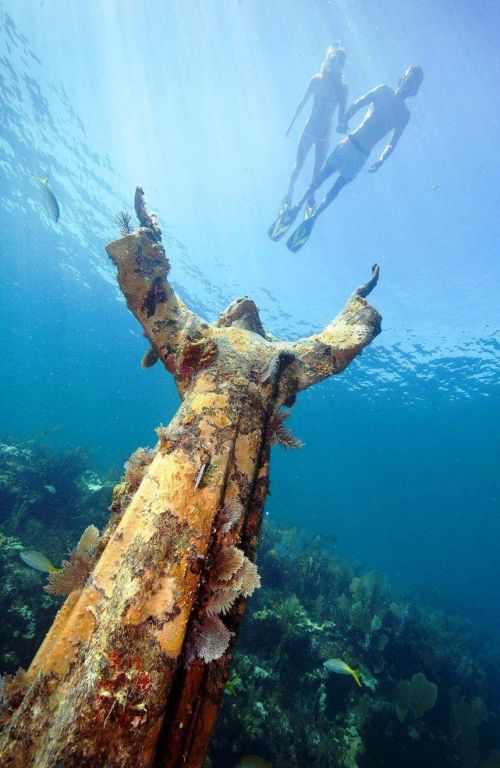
{"x": 72, "y": 575}
{"x": 212, "y": 639}
{"x": 123, "y": 222}
{"x": 279, "y": 434}
{"x": 88, "y": 540}
{"x": 136, "y": 466}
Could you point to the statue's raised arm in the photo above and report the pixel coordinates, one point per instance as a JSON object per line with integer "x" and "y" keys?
{"x": 142, "y": 275}
{"x": 329, "y": 352}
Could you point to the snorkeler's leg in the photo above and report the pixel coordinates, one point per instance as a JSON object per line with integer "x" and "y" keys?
{"x": 286, "y": 218}
{"x": 305, "y": 144}
{"x": 301, "y": 235}
{"x": 317, "y": 181}
{"x": 287, "y": 214}
{"x": 331, "y": 195}
{"x": 320, "y": 155}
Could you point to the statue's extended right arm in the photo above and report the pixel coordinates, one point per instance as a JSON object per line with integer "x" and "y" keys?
{"x": 142, "y": 275}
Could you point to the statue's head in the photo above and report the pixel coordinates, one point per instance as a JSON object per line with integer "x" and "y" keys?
{"x": 242, "y": 313}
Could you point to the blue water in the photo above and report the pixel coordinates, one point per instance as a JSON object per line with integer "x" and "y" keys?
{"x": 192, "y": 100}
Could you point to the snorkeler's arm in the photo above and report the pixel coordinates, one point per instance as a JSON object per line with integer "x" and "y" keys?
{"x": 309, "y": 90}
{"x": 341, "y": 123}
{"x": 391, "y": 146}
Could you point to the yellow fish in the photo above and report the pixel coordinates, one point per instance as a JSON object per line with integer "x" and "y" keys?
{"x": 38, "y": 561}
{"x": 49, "y": 200}
{"x": 341, "y": 668}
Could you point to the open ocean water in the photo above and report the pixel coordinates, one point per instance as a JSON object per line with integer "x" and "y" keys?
{"x": 191, "y": 100}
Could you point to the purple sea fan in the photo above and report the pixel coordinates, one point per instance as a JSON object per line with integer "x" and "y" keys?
{"x": 212, "y": 639}
{"x": 136, "y": 467}
{"x": 72, "y": 575}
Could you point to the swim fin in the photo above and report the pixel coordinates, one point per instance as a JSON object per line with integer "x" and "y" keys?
{"x": 301, "y": 234}
{"x": 283, "y": 222}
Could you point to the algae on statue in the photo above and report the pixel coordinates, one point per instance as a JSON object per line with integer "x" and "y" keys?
{"x": 133, "y": 670}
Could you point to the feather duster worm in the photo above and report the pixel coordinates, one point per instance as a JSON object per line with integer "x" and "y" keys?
{"x": 230, "y": 575}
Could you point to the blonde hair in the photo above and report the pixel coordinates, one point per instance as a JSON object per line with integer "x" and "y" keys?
{"x": 331, "y": 53}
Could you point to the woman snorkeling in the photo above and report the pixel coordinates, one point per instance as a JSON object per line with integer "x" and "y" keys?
{"x": 328, "y": 90}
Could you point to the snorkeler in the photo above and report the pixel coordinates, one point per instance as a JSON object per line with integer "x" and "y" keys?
{"x": 328, "y": 90}
{"x": 387, "y": 111}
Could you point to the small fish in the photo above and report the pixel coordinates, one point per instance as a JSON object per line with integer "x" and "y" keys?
{"x": 269, "y": 369}
{"x": 232, "y": 685}
{"x": 49, "y": 200}
{"x": 199, "y": 477}
{"x": 149, "y": 358}
{"x": 38, "y": 561}
{"x": 50, "y": 488}
{"x": 341, "y": 668}
{"x": 253, "y": 761}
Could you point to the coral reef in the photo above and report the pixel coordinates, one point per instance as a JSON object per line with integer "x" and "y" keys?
{"x": 426, "y": 698}
{"x": 46, "y": 497}
{"x": 416, "y": 695}
{"x": 46, "y": 500}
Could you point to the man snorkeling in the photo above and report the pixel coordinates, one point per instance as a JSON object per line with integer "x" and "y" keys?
{"x": 329, "y": 91}
{"x": 387, "y": 111}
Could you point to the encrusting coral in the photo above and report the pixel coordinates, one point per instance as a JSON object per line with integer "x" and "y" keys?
{"x": 12, "y": 689}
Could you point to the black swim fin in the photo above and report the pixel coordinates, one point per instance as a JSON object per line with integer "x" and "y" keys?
{"x": 283, "y": 222}
{"x": 301, "y": 234}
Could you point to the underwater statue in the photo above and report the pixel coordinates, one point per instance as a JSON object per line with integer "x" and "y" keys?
{"x": 133, "y": 669}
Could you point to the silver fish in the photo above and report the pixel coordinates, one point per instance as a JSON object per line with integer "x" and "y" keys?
{"x": 199, "y": 477}
{"x": 269, "y": 370}
{"x": 49, "y": 200}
